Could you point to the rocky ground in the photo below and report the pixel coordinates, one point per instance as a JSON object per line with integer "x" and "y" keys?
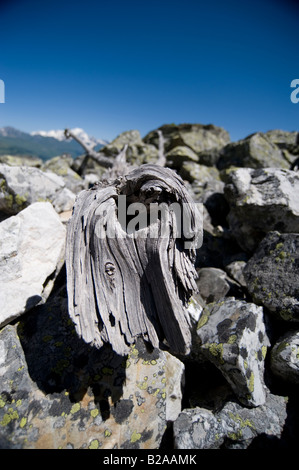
{"x": 238, "y": 387}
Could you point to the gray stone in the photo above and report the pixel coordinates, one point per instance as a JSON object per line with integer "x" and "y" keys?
{"x": 212, "y": 284}
{"x": 232, "y": 336}
{"x": 285, "y": 357}
{"x": 261, "y": 201}
{"x": 138, "y": 152}
{"x": 232, "y": 427}
{"x": 22, "y": 186}
{"x": 272, "y": 275}
{"x": 176, "y": 156}
{"x": 61, "y": 166}
{"x": 15, "y": 160}
{"x": 256, "y": 151}
{"x": 75, "y": 396}
{"x": 198, "y": 137}
{"x": 32, "y": 246}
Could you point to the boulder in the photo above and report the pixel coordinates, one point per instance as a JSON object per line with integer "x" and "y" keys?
{"x": 176, "y": 156}
{"x": 272, "y": 275}
{"x": 261, "y": 201}
{"x": 284, "y": 139}
{"x": 285, "y": 357}
{"x": 256, "y": 151}
{"x": 232, "y": 336}
{"x": 233, "y": 426}
{"x": 138, "y": 152}
{"x": 61, "y": 166}
{"x": 198, "y": 137}
{"x": 22, "y": 186}
{"x": 32, "y": 253}
{"x": 79, "y": 397}
{"x": 16, "y": 160}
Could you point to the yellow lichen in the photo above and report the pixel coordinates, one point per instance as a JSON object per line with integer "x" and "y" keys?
{"x": 135, "y": 436}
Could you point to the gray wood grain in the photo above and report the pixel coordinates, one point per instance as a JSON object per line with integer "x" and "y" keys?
{"x": 124, "y": 285}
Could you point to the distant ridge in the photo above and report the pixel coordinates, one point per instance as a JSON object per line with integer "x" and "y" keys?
{"x": 43, "y": 144}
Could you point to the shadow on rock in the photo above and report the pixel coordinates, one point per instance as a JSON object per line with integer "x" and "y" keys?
{"x": 58, "y": 360}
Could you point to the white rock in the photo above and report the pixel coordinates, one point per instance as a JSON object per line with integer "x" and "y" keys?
{"x": 32, "y": 247}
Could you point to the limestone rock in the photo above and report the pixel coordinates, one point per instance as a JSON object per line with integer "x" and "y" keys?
{"x": 232, "y": 427}
{"x": 255, "y": 151}
{"x": 198, "y": 137}
{"x": 75, "y": 396}
{"x": 272, "y": 275}
{"x": 285, "y": 357}
{"x": 31, "y": 254}
{"x": 232, "y": 336}
{"x": 261, "y": 201}
{"x": 22, "y": 186}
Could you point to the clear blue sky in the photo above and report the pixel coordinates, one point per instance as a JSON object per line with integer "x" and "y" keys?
{"x": 112, "y": 65}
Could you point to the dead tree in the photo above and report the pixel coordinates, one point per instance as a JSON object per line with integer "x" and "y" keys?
{"x": 129, "y": 278}
{"x": 104, "y": 161}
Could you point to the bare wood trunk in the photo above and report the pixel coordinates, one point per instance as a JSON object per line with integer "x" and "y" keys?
{"x": 123, "y": 284}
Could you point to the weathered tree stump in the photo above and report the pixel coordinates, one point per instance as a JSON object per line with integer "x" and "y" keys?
{"x": 130, "y": 276}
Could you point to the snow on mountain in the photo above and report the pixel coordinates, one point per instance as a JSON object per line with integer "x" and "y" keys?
{"x": 59, "y": 135}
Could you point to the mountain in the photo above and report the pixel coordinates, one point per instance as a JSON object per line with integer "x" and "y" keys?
{"x": 43, "y": 144}
{"x": 59, "y": 135}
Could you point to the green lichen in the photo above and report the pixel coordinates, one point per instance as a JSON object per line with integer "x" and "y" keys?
{"x": 20, "y": 200}
{"x": 203, "y": 319}
{"x": 232, "y": 339}
{"x": 75, "y": 408}
{"x": 9, "y": 200}
{"x": 216, "y": 350}
{"x": 264, "y": 351}
{"x": 251, "y": 382}
{"x": 136, "y": 436}
{"x": 94, "y": 444}
{"x": 94, "y": 413}
{"x": 23, "y": 422}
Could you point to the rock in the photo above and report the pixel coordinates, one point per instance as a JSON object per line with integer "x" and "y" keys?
{"x": 212, "y": 284}
{"x": 32, "y": 253}
{"x": 138, "y": 152}
{"x": 15, "y": 160}
{"x": 176, "y": 156}
{"x": 284, "y": 139}
{"x": 198, "y": 137}
{"x": 232, "y": 336}
{"x": 22, "y": 186}
{"x": 261, "y": 201}
{"x": 76, "y": 396}
{"x": 272, "y": 274}
{"x": 285, "y": 357}
{"x": 232, "y": 427}
{"x": 256, "y": 151}
{"x": 206, "y": 187}
{"x": 235, "y": 270}
{"x": 62, "y": 166}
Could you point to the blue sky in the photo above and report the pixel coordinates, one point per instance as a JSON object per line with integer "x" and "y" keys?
{"x": 111, "y": 66}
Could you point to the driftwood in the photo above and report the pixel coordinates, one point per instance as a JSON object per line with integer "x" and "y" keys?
{"x": 127, "y": 279}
